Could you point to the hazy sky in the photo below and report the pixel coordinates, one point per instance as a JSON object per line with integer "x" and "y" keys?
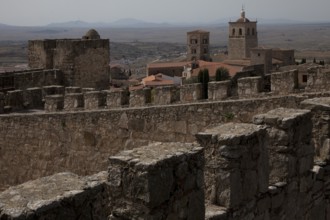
{"x": 42, "y": 12}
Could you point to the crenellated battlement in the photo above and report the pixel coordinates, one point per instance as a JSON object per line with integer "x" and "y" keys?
{"x": 259, "y": 170}
{"x": 59, "y": 98}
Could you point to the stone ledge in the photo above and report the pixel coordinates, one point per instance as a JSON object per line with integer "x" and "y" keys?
{"x": 64, "y": 194}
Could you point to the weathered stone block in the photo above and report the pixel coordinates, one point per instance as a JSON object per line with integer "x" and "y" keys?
{"x": 219, "y": 90}
{"x": 249, "y": 87}
{"x": 290, "y": 150}
{"x": 143, "y": 181}
{"x": 72, "y": 89}
{"x": 117, "y": 99}
{"x": 320, "y": 108}
{"x": 33, "y": 98}
{"x": 15, "y": 99}
{"x": 54, "y": 103}
{"x": 162, "y": 95}
{"x": 236, "y": 163}
{"x": 191, "y": 92}
{"x": 73, "y": 101}
{"x": 318, "y": 79}
{"x": 94, "y": 99}
{"x": 139, "y": 98}
{"x": 2, "y": 102}
{"x": 61, "y": 196}
{"x": 284, "y": 82}
{"x": 52, "y": 90}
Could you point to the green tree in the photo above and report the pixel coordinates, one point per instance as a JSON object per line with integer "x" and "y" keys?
{"x": 303, "y": 60}
{"x": 204, "y": 78}
{"x": 221, "y": 74}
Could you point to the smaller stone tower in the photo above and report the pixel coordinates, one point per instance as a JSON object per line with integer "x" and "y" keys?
{"x": 198, "y": 45}
{"x": 242, "y": 37}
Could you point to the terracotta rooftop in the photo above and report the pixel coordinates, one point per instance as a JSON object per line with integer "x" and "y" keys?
{"x": 157, "y": 80}
{"x": 213, "y": 66}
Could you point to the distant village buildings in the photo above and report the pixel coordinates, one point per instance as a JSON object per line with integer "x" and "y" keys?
{"x": 244, "y": 53}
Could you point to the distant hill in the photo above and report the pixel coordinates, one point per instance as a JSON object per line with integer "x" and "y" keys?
{"x": 71, "y": 24}
{"x": 124, "y": 23}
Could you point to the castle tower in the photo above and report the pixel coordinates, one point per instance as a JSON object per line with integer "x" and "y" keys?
{"x": 243, "y": 36}
{"x": 84, "y": 62}
{"x": 198, "y": 45}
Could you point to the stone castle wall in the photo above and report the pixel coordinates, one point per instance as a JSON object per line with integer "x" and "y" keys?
{"x": 22, "y": 80}
{"x": 259, "y": 170}
{"x": 81, "y": 141}
{"x": 85, "y": 63}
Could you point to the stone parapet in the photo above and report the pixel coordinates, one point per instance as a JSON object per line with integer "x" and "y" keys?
{"x": 290, "y": 151}
{"x": 14, "y": 99}
{"x": 94, "y": 99}
{"x": 33, "y": 98}
{"x": 2, "y": 102}
{"x": 140, "y": 98}
{"x": 72, "y": 89}
{"x": 61, "y": 196}
{"x": 284, "y": 83}
{"x": 163, "y": 95}
{"x": 249, "y": 87}
{"x": 73, "y": 101}
{"x": 84, "y": 90}
{"x": 219, "y": 90}
{"x": 318, "y": 80}
{"x": 52, "y": 90}
{"x": 320, "y": 108}
{"x": 158, "y": 181}
{"x": 236, "y": 168}
{"x": 116, "y": 99}
{"x": 54, "y": 103}
{"x": 191, "y": 92}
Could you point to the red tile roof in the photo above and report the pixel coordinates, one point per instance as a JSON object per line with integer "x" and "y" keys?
{"x": 213, "y": 66}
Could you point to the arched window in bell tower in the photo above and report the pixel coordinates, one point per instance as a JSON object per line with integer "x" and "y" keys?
{"x": 248, "y": 31}
{"x": 253, "y": 31}
{"x": 240, "y": 32}
{"x": 233, "y": 32}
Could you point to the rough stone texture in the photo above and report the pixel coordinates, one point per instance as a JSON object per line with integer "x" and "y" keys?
{"x": 249, "y": 87}
{"x": 33, "y": 98}
{"x": 14, "y": 99}
{"x": 80, "y": 142}
{"x": 158, "y": 181}
{"x": 214, "y": 212}
{"x": 116, "y": 99}
{"x": 94, "y": 99}
{"x": 140, "y": 98}
{"x": 52, "y": 90}
{"x": 61, "y": 196}
{"x": 236, "y": 163}
{"x": 2, "y": 102}
{"x": 22, "y": 80}
{"x": 54, "y": 103}
{"x": 84, "y": 63}
{"x": 318, "y": 79}
{"x": 320, "y": 108}
{"x": 290, "y": 150}
{"x": 72, "y": 89}
{"x": 284, "y": 82}
{"x": 191, "y": 92}
{"x": 218, "y": 90}
{"x": 73, "y": 101}
{"x": 163, "y": 95}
